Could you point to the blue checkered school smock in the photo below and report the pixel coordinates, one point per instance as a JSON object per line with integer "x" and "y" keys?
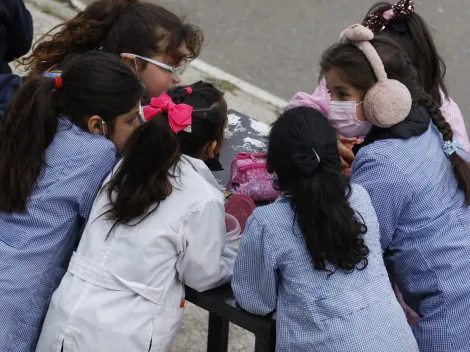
{"x": 355, "y": 312}
{"x": 35, "y": 246}
{"x": 425, "y": 229}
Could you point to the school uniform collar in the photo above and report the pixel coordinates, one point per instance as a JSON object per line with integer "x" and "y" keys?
{"x": 414, "y": 125}
{"x": 201, "y": 168}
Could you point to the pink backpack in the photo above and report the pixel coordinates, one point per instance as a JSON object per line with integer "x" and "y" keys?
{"x": 248, "y": 176}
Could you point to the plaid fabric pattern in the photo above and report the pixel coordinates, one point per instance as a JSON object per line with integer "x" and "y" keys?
{"x": 425, "y": 227}
{"x": 35, "y": 246}
{"x": 344, "y": 312}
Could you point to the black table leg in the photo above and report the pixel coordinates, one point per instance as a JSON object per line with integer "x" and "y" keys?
{"x": 266, "y": 341}
{"x": 217, "y": 339}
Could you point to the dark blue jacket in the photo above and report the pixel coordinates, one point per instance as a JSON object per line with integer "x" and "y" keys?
{"x": 16, "y": 32}
{"x": 9, "y": 84}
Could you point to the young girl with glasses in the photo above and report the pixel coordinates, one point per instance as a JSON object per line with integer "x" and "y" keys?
{"x": 159, "y": 42}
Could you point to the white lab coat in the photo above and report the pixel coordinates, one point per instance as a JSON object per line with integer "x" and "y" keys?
{"x": 124, "y": 293}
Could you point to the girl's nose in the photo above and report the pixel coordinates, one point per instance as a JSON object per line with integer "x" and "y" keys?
{"x": 177, "y": 80}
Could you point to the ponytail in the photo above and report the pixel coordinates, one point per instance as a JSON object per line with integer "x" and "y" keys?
{"x": 331, "y": 230}
{"x": 94, "y": 83}
{"x": 142, "y": 179}
{"x": 28, "y": 128}
{"x": 303, "y": 153}
{"x": 460, "y": 166}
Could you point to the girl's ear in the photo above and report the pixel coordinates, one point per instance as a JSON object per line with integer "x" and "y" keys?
{"x": 96, "y": 125}
{"x": 211, "y": 149}
{"x": 130, "y": 61}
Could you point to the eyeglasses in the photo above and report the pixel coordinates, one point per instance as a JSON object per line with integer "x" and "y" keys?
{"x": 175, "y": 71}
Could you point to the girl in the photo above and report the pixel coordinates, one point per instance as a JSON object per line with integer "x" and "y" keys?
{"x": 401, "y": 23}
{"x": 58, "y": 142}
{"x": 158, "y": 223}
{"x": 314, "y": 256}
{"x": 157, "y": 44}
{"x": 418, "y": 182}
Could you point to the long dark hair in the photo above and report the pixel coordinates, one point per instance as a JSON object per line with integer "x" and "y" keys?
{"x": 92, "y": 84}
{"x": 413, "y": 35}
{"x": 118, "y": 26}
{"x": 151, "y": 154}
{"x": 357, "y": 71}
{"x": 304, "y": 154}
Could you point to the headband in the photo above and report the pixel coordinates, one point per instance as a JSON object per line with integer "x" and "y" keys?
{"x": 377, "y": 22}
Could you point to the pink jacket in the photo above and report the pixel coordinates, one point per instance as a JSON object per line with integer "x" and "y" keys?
{"x": 320, "y": 99}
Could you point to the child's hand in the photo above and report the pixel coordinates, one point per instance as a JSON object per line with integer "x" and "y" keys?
{"x": 345, "y": 152}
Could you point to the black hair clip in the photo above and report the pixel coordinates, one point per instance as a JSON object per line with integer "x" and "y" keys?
{"x": 214, "y": 164}
{"x": 398, "y": 26}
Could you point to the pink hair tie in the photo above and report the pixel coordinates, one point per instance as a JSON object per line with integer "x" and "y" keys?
{"x": 189, "y": 90}
{"x": 388, "y": 15}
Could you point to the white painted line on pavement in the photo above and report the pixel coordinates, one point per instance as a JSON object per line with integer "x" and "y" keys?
{"x": 222, "y": 75}
{"x": 244, "y": 86}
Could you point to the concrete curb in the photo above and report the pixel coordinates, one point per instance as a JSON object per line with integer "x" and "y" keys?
{"x": 208, "y": 70}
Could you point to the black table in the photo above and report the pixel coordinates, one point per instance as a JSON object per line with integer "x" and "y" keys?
{"x": 223, "y": 308}
{"x": 244, "y": 134}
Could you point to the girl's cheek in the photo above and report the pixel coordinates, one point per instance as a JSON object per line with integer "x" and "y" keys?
{"x": 361, "y": 116}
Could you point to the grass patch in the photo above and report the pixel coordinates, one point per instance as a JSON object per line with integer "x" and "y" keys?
{"x": 223, "y": 85}
{"x": 47, "y": 10}
{"x": 277, "y": 110}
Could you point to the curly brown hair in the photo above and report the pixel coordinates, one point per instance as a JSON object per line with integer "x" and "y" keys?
{"x": 117, "y": 26}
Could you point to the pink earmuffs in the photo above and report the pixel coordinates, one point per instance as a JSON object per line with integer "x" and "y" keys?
{"x": 389, "y": 101}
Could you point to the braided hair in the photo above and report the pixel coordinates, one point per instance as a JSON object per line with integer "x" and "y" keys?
{"x": 460, "y": 166}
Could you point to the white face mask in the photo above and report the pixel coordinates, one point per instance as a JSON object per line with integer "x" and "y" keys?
{"x": 343, "y": 117}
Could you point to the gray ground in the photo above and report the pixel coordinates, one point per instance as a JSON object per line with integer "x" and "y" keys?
{"x": 276, "y": 44}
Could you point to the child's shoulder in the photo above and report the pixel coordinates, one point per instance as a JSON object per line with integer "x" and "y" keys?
{"x": 360, "y": 201}
{"x": 359, "y": 194}
{"x": 274, "y": 214}
{"x": 194, "y": 184}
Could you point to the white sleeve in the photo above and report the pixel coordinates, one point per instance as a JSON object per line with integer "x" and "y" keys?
{"x": 207, "y": 261}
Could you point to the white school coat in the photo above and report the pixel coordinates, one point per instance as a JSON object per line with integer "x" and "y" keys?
{"x": 124, "y": 293}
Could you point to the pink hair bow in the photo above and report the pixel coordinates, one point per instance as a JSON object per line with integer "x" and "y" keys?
{"x": 179, "y": 115}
